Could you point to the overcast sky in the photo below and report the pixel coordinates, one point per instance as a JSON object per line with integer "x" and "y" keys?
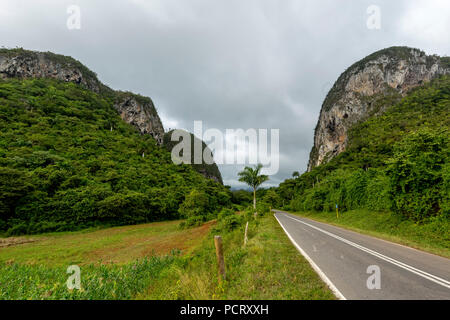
{"x": 230, "y": 63}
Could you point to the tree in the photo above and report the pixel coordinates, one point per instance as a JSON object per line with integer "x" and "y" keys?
{"x": 271, "y": 197}
{"x": 295, "y": 174}
{"x": 252, "y": 177}
{"x": 417, "y": 174}
{"x": 194, "y": 204}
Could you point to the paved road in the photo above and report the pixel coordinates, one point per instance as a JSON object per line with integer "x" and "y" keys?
{"x": 346, "y": 260}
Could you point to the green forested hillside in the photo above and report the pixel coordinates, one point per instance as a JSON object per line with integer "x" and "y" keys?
{"x": 398, "y": 161}
{"x": 208, "y": 170}
{"x": 68, "y": 161}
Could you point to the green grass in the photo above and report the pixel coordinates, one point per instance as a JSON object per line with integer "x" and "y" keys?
{"x": 119, "y": 245}
{"x": 433, "y": 237}
{"x": 269, "y": 267}
{"x": 22, "y": 281}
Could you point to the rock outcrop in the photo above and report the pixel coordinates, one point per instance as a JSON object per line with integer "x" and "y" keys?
{"x": 367, "y": 88}
{"x": 134, "y": 109}
{"x": 210, "y": 171}
{"x": 19, "y": 63}
{"x": 140, "y": 112}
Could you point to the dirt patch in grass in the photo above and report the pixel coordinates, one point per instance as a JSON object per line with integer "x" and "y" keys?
{"x": 14, "y": 241}
{"x": 113, "y": 245}
{"x": 150, "y": 245}
{"x": 184, "y": 242}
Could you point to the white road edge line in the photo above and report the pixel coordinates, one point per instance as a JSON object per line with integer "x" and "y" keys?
{"x": 321, "y": 274}
{"x": 402, "y": 265}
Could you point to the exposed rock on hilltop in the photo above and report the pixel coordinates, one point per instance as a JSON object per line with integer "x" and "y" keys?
{"x": 19, "y": 63}
{"x": 140, "y": 112}
{"x": 134, "y": 109}
{"x": 368, "y": 87}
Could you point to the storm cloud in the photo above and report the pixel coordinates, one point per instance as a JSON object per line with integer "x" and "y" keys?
{"x": 231, "y": 64}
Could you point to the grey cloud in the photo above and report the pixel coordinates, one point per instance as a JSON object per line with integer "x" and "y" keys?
{"x": 232, "y": 64}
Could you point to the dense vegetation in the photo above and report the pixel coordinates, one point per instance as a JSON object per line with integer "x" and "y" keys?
{"x": 68, "y": 161}
{"x": 394, "y": 162}
{"x": 208, "y": 170}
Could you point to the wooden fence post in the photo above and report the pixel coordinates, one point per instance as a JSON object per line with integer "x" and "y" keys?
{"x": 245, "y": 235}
{"x": 220, "y": 259}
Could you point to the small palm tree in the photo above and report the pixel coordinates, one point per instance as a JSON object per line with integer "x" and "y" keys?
{"x": 252, "y": 177}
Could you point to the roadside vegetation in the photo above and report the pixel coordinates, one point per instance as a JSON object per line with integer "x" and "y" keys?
{"x": 268, "y": 267}
{"x": 394, "y": 177}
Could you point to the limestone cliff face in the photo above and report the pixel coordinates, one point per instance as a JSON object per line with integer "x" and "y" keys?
{"x": 134, "y": 109}
{"x": 366, "y": 88}
{"x": 18, "y": 63}
{"x": 140, "y": 112}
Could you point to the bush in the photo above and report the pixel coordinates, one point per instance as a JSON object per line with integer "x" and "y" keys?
{"x": 377, "y": 191}
{"x": 193, "y": 222}
{"x": 229, "y": 222}
{"x": 262, "y": 208}
{"x": 445, "y": 198}
{"x": 355, "y": 189}
{"x": 194, "y": 204}
{"x": 272, "y": 198}
{"x": 225, "y": 212}
{"x": 417, "y": 173}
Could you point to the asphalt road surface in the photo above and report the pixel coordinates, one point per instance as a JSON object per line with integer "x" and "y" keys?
{"x": 357, "y": 266}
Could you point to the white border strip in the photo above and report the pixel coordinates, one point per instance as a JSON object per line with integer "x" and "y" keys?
{"x": 421, "y": 273}
{"x": 322, "y": 275}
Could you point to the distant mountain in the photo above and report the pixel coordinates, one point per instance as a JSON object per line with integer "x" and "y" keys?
{"x": 210, "y": 171}
{"x": 75, "y": 153}
{"x": 382, "y": 142}
{"x": 134, "y": 109}
{"x": 366, "y": 88}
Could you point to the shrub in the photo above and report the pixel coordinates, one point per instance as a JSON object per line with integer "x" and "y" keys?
{"x": 194, "y": 204}
{"x": 194, "y": 221}
{"x": 272, "y": 198}
{"x": 377, "y": 191}
{"x": 262, "y": 208}
{"x": 225, "y": 212}
{"x": 230, "y": 222}
{"x": 417, "y": 173}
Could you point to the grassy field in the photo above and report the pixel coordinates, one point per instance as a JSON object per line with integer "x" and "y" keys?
{"x": 113, "y": 245}
{"x": 158, "y": 261}
{"x": 433, "y": 237}
{"x": 268, "y": 268}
